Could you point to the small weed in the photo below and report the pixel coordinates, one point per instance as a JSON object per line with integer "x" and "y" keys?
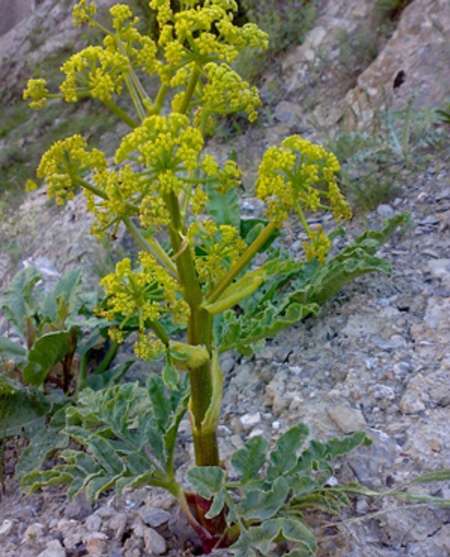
{"x": 373, "y": 162}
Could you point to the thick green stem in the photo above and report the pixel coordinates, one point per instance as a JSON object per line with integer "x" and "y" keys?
{"x": 199, "y": 332}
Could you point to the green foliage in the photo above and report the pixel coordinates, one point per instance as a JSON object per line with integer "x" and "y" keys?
{"x": 268, "y": 492}
{"x": 444, "y": 114}
{"x": 295, "y": 290}
{"x": 391, "y": 8}
{"x": 126, "y": 437}
{"x": 373, "y": 162}
{"x": 41, "y": 374}
{"x": 49, "y": 324}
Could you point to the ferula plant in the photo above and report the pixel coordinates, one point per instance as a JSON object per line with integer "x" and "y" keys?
{"x": 205, "y": 280}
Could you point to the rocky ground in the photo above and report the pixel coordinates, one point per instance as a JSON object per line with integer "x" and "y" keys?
{"x": 376, "y": 358}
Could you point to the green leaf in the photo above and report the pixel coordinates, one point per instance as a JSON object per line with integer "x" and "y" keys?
{"x": 262, "y": 505}
{"x": 64, "y": 297}
{"x": 249, "y": 460}
{"x": 17, "y": 302}
{"x": 296, "y": 531}
{"x": 236, "y": 292}
{"x": 45, "y": 439}
{"x": 109, "y": 377}
{"x": 434, "y": 476}
{"x": 224, "y": 207}
{"x": 207, "y": 481}
{"x": 170, "y": 375}
{"x": 212, "y": 415}
{"x": 12, "y": 349}
{"x": 46, "y": 352}
{"x": 250, "y": 229}
{"x": 217, "y": 506}
{"x": 284, "y": 457}
{"x": 242, "y": 332}
{"x": 20, "y": 408}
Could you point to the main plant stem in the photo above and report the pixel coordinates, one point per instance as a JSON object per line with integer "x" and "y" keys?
{"x": 199, "y": 333}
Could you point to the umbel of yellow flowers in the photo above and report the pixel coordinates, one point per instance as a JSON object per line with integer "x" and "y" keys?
{"x": 159, "y": 175}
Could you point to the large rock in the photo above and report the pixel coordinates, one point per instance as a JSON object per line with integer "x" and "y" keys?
{"x": 413, "y": 66}
{"x": 13, "y": 12}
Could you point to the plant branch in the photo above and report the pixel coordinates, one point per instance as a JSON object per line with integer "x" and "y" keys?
{"x": 151, "y": 245}
{"x": 242, "y": 262}
{"x": 120, "y": 113}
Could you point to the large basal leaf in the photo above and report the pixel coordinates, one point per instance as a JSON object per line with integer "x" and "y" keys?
{"x": 249, "y": 460}
{"x": 64, "y": 296}
{"x": 44, "y": 439}
{"x": 127, "y": 435}
{"x": 10, "y": 349}
{"x": 46, "y": 352}
{"x": 20, "y": 408}
{"x": 284, "y": 456}
{"x": 207, "y": 481}
{"x": 261, "y": 505}
{"x": 17, "y": 302}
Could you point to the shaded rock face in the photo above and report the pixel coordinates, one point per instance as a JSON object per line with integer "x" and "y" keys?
{"x": 13, "y": 11}
{"x": 413, "y": 66}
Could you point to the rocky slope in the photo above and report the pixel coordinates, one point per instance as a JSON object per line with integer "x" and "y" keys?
{"x": 376, "y": 358}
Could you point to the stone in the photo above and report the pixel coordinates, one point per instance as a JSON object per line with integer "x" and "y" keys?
{"x": 72, "y": 532}
{"x": 154, "y": 517}
{"x": 418, "y": 49}
{"x": 78, "y": 508}
{"x": 118, "y": 524}
{"x": 93, "y": 523}
{"x": 347, "y": 419}
{"x": 410, "y": 403}
{"x": 437, "y": 315}
{"x": 53, "y": 549}
{"x": 428, "y": 439}
{"x": 288, "y": 113}
{"x": 96, "y": 544}
{"x": 154, "y": 542}
{"x": 33, "y": 533}
{"x": 11, "y": 13}
{"x": 433, "y": 388}
{"x": 385, "y": 211}
{"x": 6, "y": 527}
{"x": 249, "y": 421}
{"x": 440, "y": 269}
{"x": 372, "y": 464}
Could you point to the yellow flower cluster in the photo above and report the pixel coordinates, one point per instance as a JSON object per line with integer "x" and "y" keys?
{"x": 204, "y": 31}
{"x": 298, "y": 175}
{"x": 83, "y": 12}
{"x": 226, "y": 93}
{"x": 63, "y": 165}
{"x": 219, "y": 247}
{"x": 93, "y": 71}
{"x": 140, "y": 49}
{"x": 163, "y": 143}
{"x": 37, "y": 93}
{"x": 148, "y": 346}
{"x": 121, "y": 189}
{"x": 225, "y": 178}
{"x": 148, "y": 293}
{"x": 318, "y": 246}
